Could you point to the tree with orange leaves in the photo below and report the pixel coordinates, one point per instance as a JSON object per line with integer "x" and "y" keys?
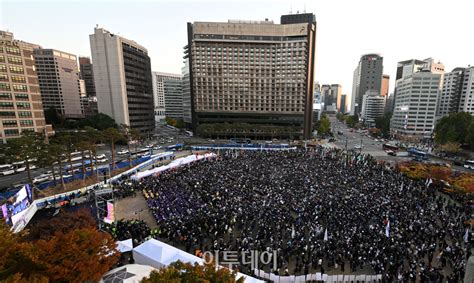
{"x": 64, "y": 222}
{"x": 79, "y": 255}
{"x": 69, "y": 253}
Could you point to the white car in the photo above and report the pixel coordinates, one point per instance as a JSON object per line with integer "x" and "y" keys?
{"x": 122, "y": 152}
{"x": 21, "y": 169}
{"x": 42, "y": 178}
{"x": 8, "y": 172}
{"x": 358, "y": 146}
{"x": 101, "y": 156}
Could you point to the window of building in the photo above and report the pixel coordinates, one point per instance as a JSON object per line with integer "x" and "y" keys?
{"x": 9, "y": 123}
{"x": 21, "y": 96}
{"x": 11, "y": 132}
{"x": 23, "y": 105}
{"x": 26, "y": 123}
{"x": 4, "y": 86}
{"x": 20, "y": 87}
{"x": 16, "y": 70}
{"x": 24, "y": 114}
{"x": 13, "y": 50}
{"x": 15, "y": 60}
{"x": 18, "y": 79}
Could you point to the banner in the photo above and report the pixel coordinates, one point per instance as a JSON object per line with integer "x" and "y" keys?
{"x": 110, "y": 213}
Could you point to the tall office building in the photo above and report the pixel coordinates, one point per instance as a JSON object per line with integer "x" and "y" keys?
{"x": 373, "y": 106}
{"x": 89, "y": 101}
{"x": 450, "y": 98}
{"x": 253, "y": 72}
{"x": 367, "y": 76}
{"x": 159, "y": 93}
{"x": 123, "y": 80}
{"x": 173, "y": 89}
{"x": 187, "y": 117}
{"x": 385, "y": 85}
{"x": 21, "y": 108}
{"x": 87, "y": 74}
{"x": 331, "y": 94}
{"x": 58, "y": 76}
{"x": 416, "y": 98}
{"x": 341, "y": 103}
{"x": 466, "y": 101}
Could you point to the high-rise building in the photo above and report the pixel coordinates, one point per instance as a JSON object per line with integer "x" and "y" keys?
{"x": 89, "y": 102}
{"x": 159, "y": 93}
{"x": 173, "y": 89}
{"x": 58, "y": 76}
{"x": 373, "y": 106}
{"x": 342, "y": 104}
{"x": 416, "y": 98}
{"x": 389, "y": 103}
{"x": 466, "y": 101}
{"x": 367, "y": 76}
{"x": 187, "y": 116}
{"x": 123, "y": 80}
{"x": 385, "y": 85}
{"x": 331, "y": 94}
{"x": 253, "y": 72}
{"x": 87, "y": 74}
{"x": 21, "y": 108}
{"x": 450, "y": 98}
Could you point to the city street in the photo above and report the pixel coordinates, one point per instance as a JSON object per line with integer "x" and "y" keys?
{"x": 370, "y": 146}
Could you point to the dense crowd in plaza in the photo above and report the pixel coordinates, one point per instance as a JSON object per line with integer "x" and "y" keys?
{"x": 319, "y": 209}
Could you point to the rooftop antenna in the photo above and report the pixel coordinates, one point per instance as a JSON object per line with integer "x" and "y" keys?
{"x": 291, "y": 9}
{"x": 304, "y": 11}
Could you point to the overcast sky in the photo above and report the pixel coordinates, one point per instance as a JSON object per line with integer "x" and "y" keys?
{"x": 396, "y": 29}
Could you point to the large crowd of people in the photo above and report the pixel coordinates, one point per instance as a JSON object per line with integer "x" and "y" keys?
{"x": 320, "y": 209}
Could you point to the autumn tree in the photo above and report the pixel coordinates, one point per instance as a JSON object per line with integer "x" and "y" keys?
{"x": 178, "y": 272}
{"x": 79, "y": 255}
{"x": 64, "y": 223}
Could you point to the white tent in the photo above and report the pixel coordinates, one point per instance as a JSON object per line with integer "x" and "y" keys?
{"x": 125, "y": 246}
{"x": 129, "y": 273}
{"x": 158, "y": 254}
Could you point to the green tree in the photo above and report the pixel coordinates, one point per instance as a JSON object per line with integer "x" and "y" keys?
{"x": 383, "y": 123}
{"x": 26, "y": 148}
{"x": 323, "y": 126}
{"x": 352, "y": 121}
{"x": 178, "y": 272}
{"x": 113, "y": 135}
{"x": 470, "y": 135}
{"x": 453, "y": 128}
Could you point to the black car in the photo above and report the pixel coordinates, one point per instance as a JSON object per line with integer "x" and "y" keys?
{"x": 340, "y": 133}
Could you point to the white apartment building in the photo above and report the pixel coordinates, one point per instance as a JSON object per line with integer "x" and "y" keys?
{"x": 449, "y": 100}
{"x": 159, "y": 93}
{"x": 466, "y": 102}
{"x": 373, "y": 107}
{"x": 416, "y": 103}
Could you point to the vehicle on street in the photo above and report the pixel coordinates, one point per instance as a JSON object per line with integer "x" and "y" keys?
{"x": 417, "y": 154}
{"x": 358, "y": 146}
{"x": 7, "y": 169}
{"x": 391, "y": 147}
{"x": 391, "y": 152}
{"x": 122, "y": 152}
{"x": 340, "y": 133}
{"x": 42, "y": 178}
{"x": 469, "y": 164}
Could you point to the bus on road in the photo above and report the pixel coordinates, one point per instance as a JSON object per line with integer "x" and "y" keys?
{"x": 391, "y": 147}
{"x": 469, "y": 164}
{"x": 417, "y": 155}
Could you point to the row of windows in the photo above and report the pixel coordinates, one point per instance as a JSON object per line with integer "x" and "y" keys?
{"x": 21, "y": 114}
{"x": 13, "y": 69}
{"x": 19, "y": 105}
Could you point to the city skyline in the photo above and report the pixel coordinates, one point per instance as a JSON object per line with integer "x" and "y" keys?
{"x": 149, "y": 24}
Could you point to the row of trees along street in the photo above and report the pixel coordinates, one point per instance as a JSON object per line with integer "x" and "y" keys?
{"x": 55, "y": 152}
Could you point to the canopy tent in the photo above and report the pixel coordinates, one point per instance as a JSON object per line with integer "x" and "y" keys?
{"x": 158, "y": 254}
{"x": 174, "y": 164}
{"x": 125, "y": 246}
{"x": 129, "y": 273}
